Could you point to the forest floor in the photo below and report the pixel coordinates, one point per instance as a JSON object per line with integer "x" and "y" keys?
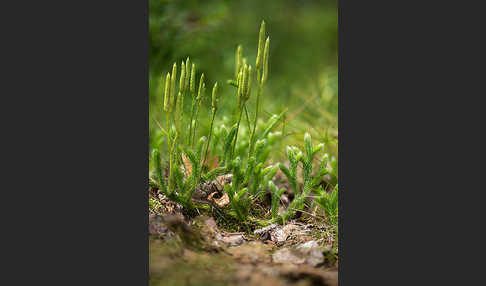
{"x": 207, "y": 248}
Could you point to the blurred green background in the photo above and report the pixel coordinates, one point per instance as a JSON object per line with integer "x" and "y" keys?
{"x": 302, "y": 63}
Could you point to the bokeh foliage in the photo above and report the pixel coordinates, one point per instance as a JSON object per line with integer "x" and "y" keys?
{"x": 303, "y": 58}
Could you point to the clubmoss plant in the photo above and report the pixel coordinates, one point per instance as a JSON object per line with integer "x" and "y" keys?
{"x": 192, "y": 90}
{"x": 276, "y": 194}
{"x": 295, "y": 156}
{"x": 243, "y": 94}
{"x": 262, "y": 59}
{"x": 241, "y": 150}
{"x": 200, "y": 93}
{"x": 329, "y": 203}
{"x": 214, "y": 108}
{"x": 238, "y": 196}
{"x": 185, "y": 183}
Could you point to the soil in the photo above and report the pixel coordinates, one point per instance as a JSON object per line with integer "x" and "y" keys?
{"x": 198, "y": 250}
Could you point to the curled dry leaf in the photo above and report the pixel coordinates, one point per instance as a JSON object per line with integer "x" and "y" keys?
{"x": 221, "y": 202}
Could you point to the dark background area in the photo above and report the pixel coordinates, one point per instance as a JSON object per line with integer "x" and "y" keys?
{"x": 76, "y": 166}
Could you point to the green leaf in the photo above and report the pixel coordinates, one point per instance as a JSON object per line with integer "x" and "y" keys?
{"x": 270, "y": 171}
{"x": 317, "y": 149}
{"x": 272, "y": 123}
{"x": 218, "y": 171}
{"x": 308, "y": 147}
{"x": 199, "y": 147}
{"x": 227, "y": 143}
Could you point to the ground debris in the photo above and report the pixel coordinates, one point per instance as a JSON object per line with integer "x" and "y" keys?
{"x": 290, "y": 233}
{"x": 286, "y": 255}
{"x": 312, "y": 252}
{"x": 252, "y": 252}
{"x": 220, "y": 202}
{"x": 308, "y": 253}
{"x": 192, "y": 249}
{"x": 311, "y": 275}
{"x": 158, "y": 227}
{"x": 264, "y": 233}
{"x": 234, "y": 240}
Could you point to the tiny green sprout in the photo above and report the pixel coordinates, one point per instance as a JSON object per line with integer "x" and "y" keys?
{"x": 182, "y": 79}
{"x": 298, "y": 155}
{"x": 273, "y": 136}
{"x": 318, "y": 148}
{"x": 276, "y": 194}
{"x": 321, "y": 172}
{"x": 244, "y": 85}
{"x": 180, "y": 99}
{"x": 308, "y": 144}
{"x": 188, "y": 74}
{"x": 290, "y": 152}
{"x": 265, "y": 60}
{"x": 237, "y": 164}
{"x": 248, "y": 84}
{"x": 259, "y": 146}
{"x": 239, "y": 81}
{"x": 238, "y": 60}
{"x": 192, "y": 90}
{"x": 261, "y": 39}
{"x": 258, "y": 65}
{"x": 201, "y": 88}
{"x": 243, "y": 82}
{"x": 201, "y": 92}
{"x": 214, "y": 104}
{"x": 329, "y": 203}
{"x": 214, "y": 101}
{"x": 167, "y": 106}
{"x": 334, "y": 164}
{"x": 271, "y": 170}
{"x": 172, "y": 84}
{"x": 158, "y": 167}
{"x": 200, "y": 145}
{"x": 192, "y": 85}
{"x": 324, "y": 160}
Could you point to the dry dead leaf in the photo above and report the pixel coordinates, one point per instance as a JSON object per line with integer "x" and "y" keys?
{"x": 221, "y": 202}
{"x": 187, "y": 164}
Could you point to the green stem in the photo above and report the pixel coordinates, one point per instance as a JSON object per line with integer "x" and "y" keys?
{"x": 252, "y": 135}
{"x": 170, "y": 153}
{"x": 181, "y": 117}
{"x": 247, "y": 117}
{"x": 171, "y": 166}
{"x": 190, "y": 122}
{"x": 209, "y": 137}
{"x": 168, "y": 130}
{"x": 195, "y": 124}
{"x": 236, "y": 135}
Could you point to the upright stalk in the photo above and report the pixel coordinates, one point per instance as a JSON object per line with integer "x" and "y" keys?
{"x": 192, "y": 90}
{"x": 261, "y": 64}
{"x": 200, "y": 93}
{"x": 252, "y": 134}
{"x": 214, "y": 104}
{"x": 236, "y": 135}
{"x": 209, "y": 138}
{"x": 190, "y": 122}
